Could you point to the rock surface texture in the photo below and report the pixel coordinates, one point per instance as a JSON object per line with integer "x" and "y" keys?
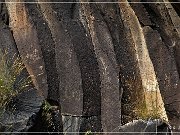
{"x": 95, "y": 67}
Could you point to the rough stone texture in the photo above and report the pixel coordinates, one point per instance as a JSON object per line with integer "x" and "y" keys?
{"x": 104, "y": 50}
{"x": 176, "y": 6}
{"x": 20, "y": 111}
{"x": 142, "y": 14}
{"x": 70, "y": 83}
{"x": 7, "y": 44}
{"x": 71, "y": 123}
{"x": 146, "y": 68}
{"x": 96, "y": 61}
{"x": 47, "y": 46}
{"x": 76, "y": 64}
{"x": 25, "y": 36}
{"x": 166, "y": 70}
{"x": 162, "y": 58}
{"x": 166, "y": 61}
{"x": 47, "y": 121}
{"x": 166, "y": 27}
{"x": 173, "y": 15}
{"x": 91, "y": 123}
{"x": 24, "y": 106}
{"x": 89, "y": 69}
{"x": 163, "y": 18}
{"x": 81, "y": 124}
{"x": 150, "y": 127}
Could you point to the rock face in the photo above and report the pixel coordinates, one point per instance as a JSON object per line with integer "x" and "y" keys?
{"x": 146, "y": 70}
{"x": 98, "y": 65}
{"x": 27, "y": 42}
{"x": 146, "y": 127}
{"x": 20, "y": 111}
{"x": 104, "y": 50}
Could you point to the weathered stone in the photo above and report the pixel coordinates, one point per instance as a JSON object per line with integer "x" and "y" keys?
{"x": 90, "y": 123}
{"x": 150, "y": 127}
{"x": 164, "y": 65}
{"x": 144, "y": 63}
{"x": 166, "y": 24}
{"x": 74, "y": 124}
{"x": 86, "y": 55}
{"x": 76, "y": 64}
{"x": 71, "y": 124}
{"x": 47, "y": 120}
{"x": 25, "y": 36}
{"x": 141, "y": 13}
{"x": 47, "y": 46}
{"x": 7, "y": 44}
{"x": 89, "y": 69}
{"x": 104, "y": 50}
{"x": 64, "y": 11}
{"x": 70, "y": 83}
{"x": 173, "y": 15}
{"x": 176, "y": 6}
{"x": 20, "y": 110}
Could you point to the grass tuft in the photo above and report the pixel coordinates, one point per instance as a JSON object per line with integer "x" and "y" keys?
{"x": 149, "y": 110}
{"x": 9, "y": 71}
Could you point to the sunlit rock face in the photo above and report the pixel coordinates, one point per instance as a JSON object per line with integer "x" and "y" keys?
{"x": 150, "y": 88}
{"x": 146, "y": 127}
{"x": 99, "y": 66}
{"x": 162, "y": 39}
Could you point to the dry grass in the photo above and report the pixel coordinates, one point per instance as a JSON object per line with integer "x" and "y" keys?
{"x": 150, "y": 107}
{"x": 141, "y": 104}
{"x": 8, "y": 74}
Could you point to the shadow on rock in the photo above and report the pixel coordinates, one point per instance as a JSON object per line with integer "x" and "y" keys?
{"x": 20, "y": 111}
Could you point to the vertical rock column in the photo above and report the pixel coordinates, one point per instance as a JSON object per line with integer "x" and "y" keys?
{"x": 26, "y": 103}
{"x": 166, "y": 43}
{"x": 104, "y": 50}
{"x": 25, "y": 36}
{"x": 47, "y": 46}
{"x": 79, "y": 82}
{"x": 150, "y": 88}
{"x": 167, "y": 22}
{"x": 166, "y": 72}
{"x": 7, "y": 44}
{"x": 70, "y": 83}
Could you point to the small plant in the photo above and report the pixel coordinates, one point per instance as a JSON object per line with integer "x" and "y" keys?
{"x": 9, "y": 71}
{"x": 47, "y": 115}
{"x": 142, "y": 111}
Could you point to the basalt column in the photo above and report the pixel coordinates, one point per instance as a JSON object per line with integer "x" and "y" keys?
{"x": 79, "y": 81}
{"x": 150, "y": 89}
{"x": 109, "y": 72}
{"x": 27, "y": 42}
{"x": 164, "y": 53}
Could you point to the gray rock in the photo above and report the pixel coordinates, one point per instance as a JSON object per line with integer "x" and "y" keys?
{"x": 142, "y": 127}
{"x": 20, "y": 110}
{"x": 108, "y": 68}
